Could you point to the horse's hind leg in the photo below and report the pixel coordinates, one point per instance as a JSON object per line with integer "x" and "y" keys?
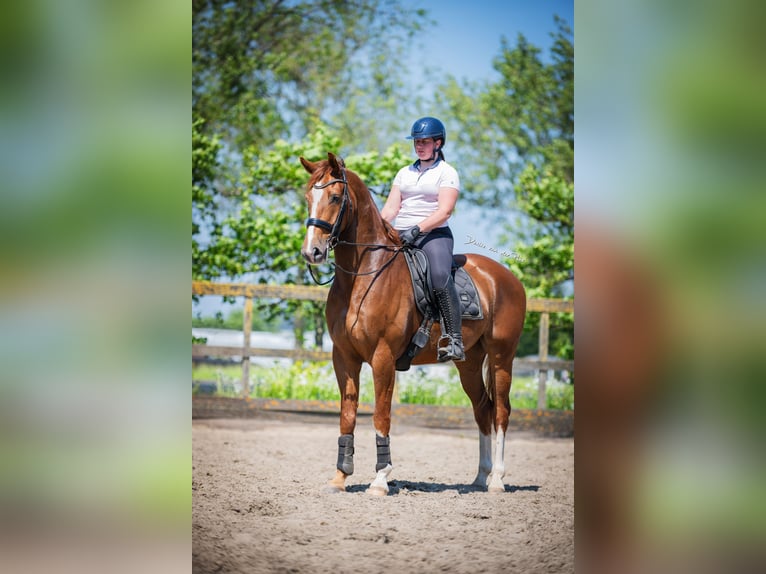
{"x": 499, "y": 379}
{"x": 473, "y": 384}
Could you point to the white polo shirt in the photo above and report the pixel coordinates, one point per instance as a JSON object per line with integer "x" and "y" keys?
{"x": 420, "y": 191}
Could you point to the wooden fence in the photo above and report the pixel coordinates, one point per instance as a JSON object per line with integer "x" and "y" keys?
{"x": 316, "y": 293}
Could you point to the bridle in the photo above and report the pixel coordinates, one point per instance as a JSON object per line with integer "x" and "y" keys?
{"x": 334, "y": 230}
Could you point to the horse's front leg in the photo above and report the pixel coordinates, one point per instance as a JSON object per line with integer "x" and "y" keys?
{"x": 384, "y": 376}
{"x": 347, "y": 373}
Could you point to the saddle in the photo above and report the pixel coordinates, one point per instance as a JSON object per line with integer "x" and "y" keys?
{"x": 417, "y": 262}
{"x": 470, "y": 305}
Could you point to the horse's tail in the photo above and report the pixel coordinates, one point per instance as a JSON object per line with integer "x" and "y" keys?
{"x": 488, "y": 377}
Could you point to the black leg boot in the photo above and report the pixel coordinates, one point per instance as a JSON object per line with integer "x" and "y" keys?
{"x": 449, "y": 306}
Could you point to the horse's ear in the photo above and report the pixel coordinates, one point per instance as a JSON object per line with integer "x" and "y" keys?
{"x": 309, "y": 166}
{"x": 336, "y": 162}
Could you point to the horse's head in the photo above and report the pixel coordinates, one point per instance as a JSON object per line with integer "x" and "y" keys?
{"x": 328, "y": 200}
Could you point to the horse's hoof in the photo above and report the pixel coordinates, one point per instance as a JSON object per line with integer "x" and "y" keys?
{"x": 496, "y": 488}
{"x": 377, "y": 491}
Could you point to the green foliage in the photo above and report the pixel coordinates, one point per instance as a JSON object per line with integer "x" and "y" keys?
{"x": 262, "y": 235}
{"x": 558, "y": 395}
{"x": 264, "y": 73}
{"x": 204, "y": 206}
{"x": 545, "y": 259}
{"x": 262, "y": 70}
{"x": 305, "y": 381}
{"x": 316, "y": 381}
{"x": 518, "y": 133}
{"x": 421, "y": 387}
{"x": 300, "y": 381}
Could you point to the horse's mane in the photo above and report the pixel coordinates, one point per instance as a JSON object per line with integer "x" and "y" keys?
{"x": 324, "y": 167}
{"x": 390, "y": 231}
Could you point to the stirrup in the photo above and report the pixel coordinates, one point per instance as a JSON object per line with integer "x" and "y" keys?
{"x": 452, "y": 351}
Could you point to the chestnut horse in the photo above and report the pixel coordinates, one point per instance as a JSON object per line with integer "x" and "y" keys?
{"x": 372, "y": 316}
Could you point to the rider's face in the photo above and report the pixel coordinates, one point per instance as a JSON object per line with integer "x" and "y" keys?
{"x": 424, "y": 147}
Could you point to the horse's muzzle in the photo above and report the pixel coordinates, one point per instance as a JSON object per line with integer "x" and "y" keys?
{"x": 314, "y": 255}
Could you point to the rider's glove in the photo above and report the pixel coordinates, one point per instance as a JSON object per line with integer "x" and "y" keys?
{"x": 409, "y": 235}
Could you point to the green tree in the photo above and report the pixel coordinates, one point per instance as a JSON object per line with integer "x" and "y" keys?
{"x": 265, "y": 73}
{"x": 518, "y": 136}
{"x": 205, "y": 168}
{"x": 265, "y": 69}
{"x": 261, "y": 239}
{"x": 269, "y": 228}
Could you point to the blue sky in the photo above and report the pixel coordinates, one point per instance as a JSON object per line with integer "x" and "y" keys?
{"x": 466, "y": 36}
{"x": 463, "y": 42}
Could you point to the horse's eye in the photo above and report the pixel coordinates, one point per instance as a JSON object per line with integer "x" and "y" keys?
{"x": 335, "y": 199}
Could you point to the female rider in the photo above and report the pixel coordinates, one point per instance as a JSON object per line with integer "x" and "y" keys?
{"x": 422, "y": 198}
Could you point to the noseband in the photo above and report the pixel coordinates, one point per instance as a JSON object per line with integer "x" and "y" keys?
{"x": 333, "y": 228}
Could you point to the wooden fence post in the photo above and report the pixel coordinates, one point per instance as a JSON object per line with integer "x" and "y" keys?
{"x": 542, "y": 374}
{"x": 247, "y": 328}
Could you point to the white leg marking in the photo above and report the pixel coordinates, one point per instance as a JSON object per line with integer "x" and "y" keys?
{"x": 498, "y": 468}
{"x": 485, "y": 460}
{"x": 379, "y": 486}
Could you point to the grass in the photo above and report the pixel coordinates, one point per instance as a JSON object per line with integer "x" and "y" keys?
{"x": 316, "y": 381}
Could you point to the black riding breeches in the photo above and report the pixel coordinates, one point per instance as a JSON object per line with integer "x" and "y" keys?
{"x": 437, "y": 245}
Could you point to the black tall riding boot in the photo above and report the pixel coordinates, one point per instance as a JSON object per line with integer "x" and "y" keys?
{"x": 449, "y": 306}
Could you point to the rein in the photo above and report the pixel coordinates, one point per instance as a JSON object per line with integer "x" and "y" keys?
{"x": 334, "y": 229}
{"x": 394, "y": 248}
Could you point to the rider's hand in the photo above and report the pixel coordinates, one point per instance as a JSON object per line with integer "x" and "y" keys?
{"x": 409, "y": 235}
